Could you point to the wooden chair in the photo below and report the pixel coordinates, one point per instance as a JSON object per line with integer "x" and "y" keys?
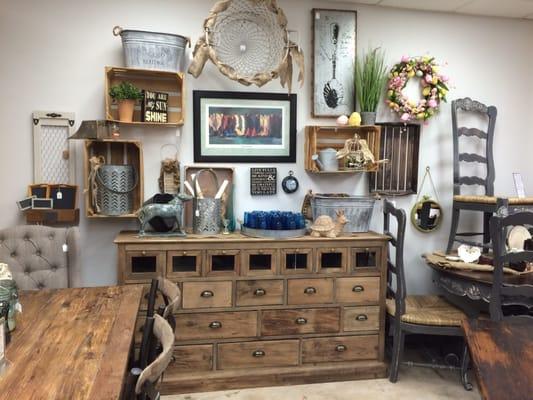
{"x": 486, "y": 203}
{"x": 505, "y": 293}
{"x": 431, "y": 315}
{"x": 147, "y": 350}
{"x": 142, "y": 383}
{"x": 171, "y": 296}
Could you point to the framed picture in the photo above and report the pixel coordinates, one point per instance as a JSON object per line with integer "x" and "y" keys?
{"x": 244, "y": 127}
{"x": 334, "y": 50}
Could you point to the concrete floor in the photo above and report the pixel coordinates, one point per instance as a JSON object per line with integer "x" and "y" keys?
{"x": 414, "y": 383}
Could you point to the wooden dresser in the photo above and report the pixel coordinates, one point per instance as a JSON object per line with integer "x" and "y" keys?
{"x": 262, "y": 312}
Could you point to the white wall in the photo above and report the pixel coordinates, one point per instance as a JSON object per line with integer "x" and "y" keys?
{"x": 53, "y": 53}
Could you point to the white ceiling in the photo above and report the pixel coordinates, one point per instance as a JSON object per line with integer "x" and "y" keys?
{"x": 495, "y": 8}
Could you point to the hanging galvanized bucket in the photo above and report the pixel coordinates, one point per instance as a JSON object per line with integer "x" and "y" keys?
{"x": 207, "y": 219}
{"x": 115, "y": 189}
{"x": 152, "y": 50}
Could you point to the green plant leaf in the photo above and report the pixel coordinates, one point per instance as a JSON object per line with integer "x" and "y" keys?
{"x": 370, "y": 77}
{"x": 125, "y": 91}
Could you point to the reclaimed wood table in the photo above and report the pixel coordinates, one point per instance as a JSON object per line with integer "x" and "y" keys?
{"x": 502, "y": 352}
{"x": 71, "y": 344}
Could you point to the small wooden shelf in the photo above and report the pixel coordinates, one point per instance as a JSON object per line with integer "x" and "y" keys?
{"x": 159, "y": 81}
{"x": 115, "y": 152}
{"x": 321, "y": 137}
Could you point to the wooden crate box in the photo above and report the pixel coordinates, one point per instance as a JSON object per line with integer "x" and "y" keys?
{"x": 116, "y": 152}
{"x": 158, "y": 81}
{"x": 321, "y": 137}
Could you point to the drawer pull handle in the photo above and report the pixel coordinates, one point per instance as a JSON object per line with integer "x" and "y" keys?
{"x": 207, "y": 293}
{"x": 215, "y": 325}
{"x": 260, "y": 292}
{"x": 143, "y": 252}
{"x": 301, "y": 321}
{"x": 310, "y": 290}
{"x": 361, "y": 317}
{"x": 358, "y": 289}
{"x": 224, "y": 251}
{"x": 340, "y": 348}
{"x": 258, "y": 353}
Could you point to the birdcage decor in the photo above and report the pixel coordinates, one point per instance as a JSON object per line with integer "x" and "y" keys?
{"x": 357, "y": 156}
{"x": 248, "y": 41}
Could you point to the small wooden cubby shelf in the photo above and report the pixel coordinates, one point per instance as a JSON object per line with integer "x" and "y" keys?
{"x": 321, "y": 137}
{"x": 158, "y": 81}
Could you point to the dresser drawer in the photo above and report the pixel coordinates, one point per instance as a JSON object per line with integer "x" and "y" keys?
{"x": 206, "y": 294}
{"x": 363, "y": 290}
{"x": 342, "y": 348}
{"x": 294, "y": 322}
{"x": 190, "y": 359}
{"x": 310, "y": 291}
{"x": 216, "y": 325}
{"x": 361, "y": 318}
{"x": 259, "y": 292}
{"x": 275, "y": 353}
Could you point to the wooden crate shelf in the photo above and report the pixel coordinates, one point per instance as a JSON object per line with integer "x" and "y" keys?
{"x": 321, "y": 137}
{"x": 116, "y": 152}
{"x": 159, "y": 81}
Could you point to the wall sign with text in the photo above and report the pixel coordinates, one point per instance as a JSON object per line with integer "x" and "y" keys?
{"x": 155, "y": 107}
{"x": 263, "y": 181}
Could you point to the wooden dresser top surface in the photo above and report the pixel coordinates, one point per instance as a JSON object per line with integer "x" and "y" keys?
{"x": 133, "y": 237}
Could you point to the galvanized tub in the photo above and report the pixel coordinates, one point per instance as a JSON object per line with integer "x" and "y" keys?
{"x": 115, "y": 189}
{"x": 357, "y": 209}
{"x": 152, "y": 50}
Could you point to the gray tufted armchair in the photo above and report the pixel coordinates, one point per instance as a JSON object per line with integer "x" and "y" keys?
{"x": 37, "y": 257}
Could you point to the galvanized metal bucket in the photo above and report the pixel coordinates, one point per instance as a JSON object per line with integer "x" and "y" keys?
{"x": 357, "y": 209}
{"x": 152, "y": 50}
{"x": 207, "y": 212}
{"x": 115, "y": 189}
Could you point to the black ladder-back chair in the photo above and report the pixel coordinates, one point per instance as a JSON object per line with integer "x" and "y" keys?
{"x": 507, "y": 293}
{"x": 486, "y": 203}
{"x": 430, "y": 315}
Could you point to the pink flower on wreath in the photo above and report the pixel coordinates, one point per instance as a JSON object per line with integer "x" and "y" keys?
{"x": 444, "y": 78}
{"x": 429, "y": 78}
{"x": 432, "y": 103}
{"x": 405, "y": 58}
{"x": 405, "y": 117}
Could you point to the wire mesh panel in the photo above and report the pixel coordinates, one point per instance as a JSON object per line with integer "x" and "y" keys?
{"x": 399, "y": 145}
{"x": 53, "y": 158}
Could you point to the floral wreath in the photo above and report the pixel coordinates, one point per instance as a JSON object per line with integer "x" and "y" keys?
{"x": 434, "y": 88}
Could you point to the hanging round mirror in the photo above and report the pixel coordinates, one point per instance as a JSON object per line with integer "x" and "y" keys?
{"x": 426, "y": 214}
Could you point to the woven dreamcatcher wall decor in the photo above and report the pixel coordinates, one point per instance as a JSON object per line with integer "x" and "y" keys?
{"x": 249, "y": 42}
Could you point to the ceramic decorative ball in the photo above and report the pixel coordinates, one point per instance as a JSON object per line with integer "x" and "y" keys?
{"x": 342, "y": 120}
{"x": 355, "y": 119}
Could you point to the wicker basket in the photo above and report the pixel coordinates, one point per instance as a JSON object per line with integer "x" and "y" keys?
{"x": 357, "y": 209}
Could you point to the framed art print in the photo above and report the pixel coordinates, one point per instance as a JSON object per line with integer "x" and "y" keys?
{"x": 334, "y": 50}
{"x": 244, "y": 127}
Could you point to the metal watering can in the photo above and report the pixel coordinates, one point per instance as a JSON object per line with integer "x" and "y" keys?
{"x": 326, "y": 160}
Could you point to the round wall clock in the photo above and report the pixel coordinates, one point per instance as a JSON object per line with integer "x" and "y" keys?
{"x": 290, "y": 183}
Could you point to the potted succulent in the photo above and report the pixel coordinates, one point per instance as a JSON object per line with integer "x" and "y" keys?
{"x": 126, "y": 95}
{"x": 370, "y": 77}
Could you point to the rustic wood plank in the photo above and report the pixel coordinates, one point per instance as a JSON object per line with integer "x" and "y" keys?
{"x": 503, "y": 357}
{"x": 71, "y": 343}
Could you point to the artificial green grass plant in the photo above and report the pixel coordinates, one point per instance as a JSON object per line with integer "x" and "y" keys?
{"x": 370, "y": 77}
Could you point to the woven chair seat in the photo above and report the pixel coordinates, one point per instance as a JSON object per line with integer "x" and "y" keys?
{"x": 492, "y": 200}
{"x": 428, "y": 310}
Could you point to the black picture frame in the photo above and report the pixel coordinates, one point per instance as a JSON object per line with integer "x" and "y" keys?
{"x": 287, "y": 101}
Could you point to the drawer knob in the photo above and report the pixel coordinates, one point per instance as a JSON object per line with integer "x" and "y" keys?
{"x": 361, "y": 317}
{"x": 301, "y": 321}
{"x": 259, "y": 292}
{"x": 333, "y": 250}
{"x": 184, "y": 253}
{"x": 258, "y": 353}
{"x": 261, "y": 252}
{"x": 224, "y": 251}
{"x": 310, "y": 290}
{"x": 340, "y": 348}
{"x": 143, "y": 252}
{"x": 215, "y": 325}
{"x": 358, "y": 289}
{"x": 207, "y": 293}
